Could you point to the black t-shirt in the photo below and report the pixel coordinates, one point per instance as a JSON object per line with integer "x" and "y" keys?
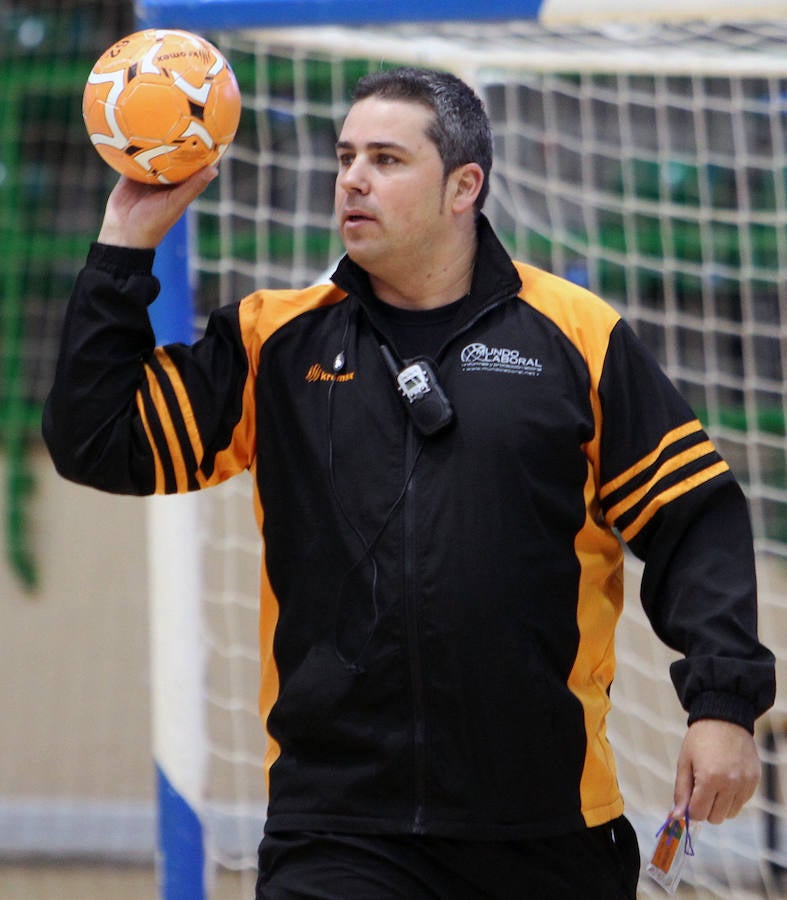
{"x": 418, "y": 332}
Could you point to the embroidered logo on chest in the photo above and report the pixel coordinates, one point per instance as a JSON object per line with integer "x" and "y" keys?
{"x": 316, "y": 372}
{"x": 478, "y": 357}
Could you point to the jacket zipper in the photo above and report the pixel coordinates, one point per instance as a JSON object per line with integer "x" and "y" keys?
{"x": 410, "y": 603}
{"x": 413, "y": 640}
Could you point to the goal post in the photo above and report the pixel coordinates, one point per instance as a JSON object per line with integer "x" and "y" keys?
{"x": 228, "y": 14}
{"x": 177, "y": 636}
{"x": 645, "y": 159}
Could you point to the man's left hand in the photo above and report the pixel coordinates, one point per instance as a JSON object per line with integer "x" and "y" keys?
{"x": 718, "y": 771}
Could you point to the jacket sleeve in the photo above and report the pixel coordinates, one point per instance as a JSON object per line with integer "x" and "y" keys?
{"x": 126, "y": 416}
{"x": 675, "y": 502}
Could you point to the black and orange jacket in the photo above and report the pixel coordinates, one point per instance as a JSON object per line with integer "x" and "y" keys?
{"x": 437, "y": 613}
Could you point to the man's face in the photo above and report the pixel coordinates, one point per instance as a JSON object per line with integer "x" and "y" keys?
{"x": 390, "y": 189}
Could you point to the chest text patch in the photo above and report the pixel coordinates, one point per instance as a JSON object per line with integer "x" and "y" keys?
{"x": 478, "y": 357}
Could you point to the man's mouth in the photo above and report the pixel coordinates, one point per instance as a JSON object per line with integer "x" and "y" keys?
{"x": 354, "y": 217}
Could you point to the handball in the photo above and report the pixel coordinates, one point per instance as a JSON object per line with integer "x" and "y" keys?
{"x": 161, "y": 104}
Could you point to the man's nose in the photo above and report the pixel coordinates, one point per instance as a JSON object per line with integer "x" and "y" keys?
{"x": 355, "y": 177}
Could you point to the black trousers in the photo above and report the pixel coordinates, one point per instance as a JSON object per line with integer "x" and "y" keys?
{"x": 595, "y": 864}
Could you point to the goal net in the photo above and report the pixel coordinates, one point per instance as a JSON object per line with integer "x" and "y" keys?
{"x": 647, "y": 162}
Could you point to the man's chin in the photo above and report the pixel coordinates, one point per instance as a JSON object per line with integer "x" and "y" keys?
{"x": 361, "y": 254}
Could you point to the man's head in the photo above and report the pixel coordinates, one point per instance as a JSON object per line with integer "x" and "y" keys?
{"x": 410, "y": 160}
{"x": 459, "y": 128}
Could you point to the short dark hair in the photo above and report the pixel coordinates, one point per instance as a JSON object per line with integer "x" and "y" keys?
{"x": 460, "y": 129}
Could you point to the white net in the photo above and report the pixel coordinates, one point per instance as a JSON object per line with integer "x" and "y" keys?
{"x": 646, "y": 162}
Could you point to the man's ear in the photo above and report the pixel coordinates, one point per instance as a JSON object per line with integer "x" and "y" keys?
{"x": 465, "y": 183}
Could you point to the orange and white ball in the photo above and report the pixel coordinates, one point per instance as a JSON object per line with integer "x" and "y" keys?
{"x": 161, "y": 104}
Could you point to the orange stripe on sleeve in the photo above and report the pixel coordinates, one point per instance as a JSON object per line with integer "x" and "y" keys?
{"x": 670, "y": 438}
{"x": 158, "y": 468}
{"x": 178, "y": 463}
{"x": 665, "y": 497}
{"x": 186, "y": 409}
{"x": 669, "y": 466}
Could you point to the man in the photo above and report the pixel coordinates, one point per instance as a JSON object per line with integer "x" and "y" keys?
{"x": 445, "y": 446}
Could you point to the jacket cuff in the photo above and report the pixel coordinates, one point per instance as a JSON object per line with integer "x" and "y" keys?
{"x": 121, "y": 260}
{"x": 727, "y": 707}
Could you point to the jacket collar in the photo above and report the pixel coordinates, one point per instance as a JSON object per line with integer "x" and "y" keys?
{"x": 494, "y": 276}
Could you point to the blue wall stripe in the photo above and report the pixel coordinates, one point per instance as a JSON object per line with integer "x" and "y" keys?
{"x": 207, "y": 14}
{"x": 171, "y": 313}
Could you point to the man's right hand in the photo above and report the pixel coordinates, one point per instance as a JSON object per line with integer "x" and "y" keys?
{"x": 139, "y": 215}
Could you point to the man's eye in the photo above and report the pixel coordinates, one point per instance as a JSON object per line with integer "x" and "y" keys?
{"x": 344, "y": 160}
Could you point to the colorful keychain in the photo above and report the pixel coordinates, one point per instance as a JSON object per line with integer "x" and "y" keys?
{"x": 673, "y": 846}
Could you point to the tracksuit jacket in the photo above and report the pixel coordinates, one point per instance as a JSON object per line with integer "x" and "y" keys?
{"x": 437, "y": 612}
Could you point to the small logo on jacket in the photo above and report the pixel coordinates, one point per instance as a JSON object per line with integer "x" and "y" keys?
{"x": 478, "y": 357}
{"x": 317, "y": 373}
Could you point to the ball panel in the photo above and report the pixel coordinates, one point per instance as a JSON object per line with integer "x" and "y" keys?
{"x": 152, "y": 109}
{"x": 161, "y": 104}
{"x": 222, "y": 113}
{"x": 100, "y": 107}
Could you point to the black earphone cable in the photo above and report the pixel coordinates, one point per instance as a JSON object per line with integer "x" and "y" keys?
{"x": 352, "y": 663}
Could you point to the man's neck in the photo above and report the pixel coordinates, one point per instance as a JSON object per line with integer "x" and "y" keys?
{"x": 427, "y": 290}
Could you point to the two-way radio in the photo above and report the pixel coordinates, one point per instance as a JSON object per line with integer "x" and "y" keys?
{"x": 422, "y": 395}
